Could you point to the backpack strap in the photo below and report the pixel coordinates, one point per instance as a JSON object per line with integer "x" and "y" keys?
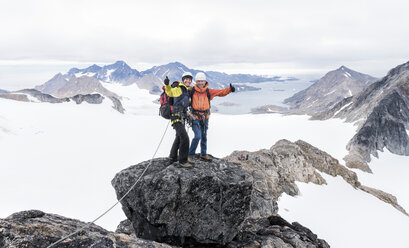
{"x": 208, "y": 95}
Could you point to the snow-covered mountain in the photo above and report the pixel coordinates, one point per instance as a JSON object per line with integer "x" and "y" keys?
{"x": 152, "y": 79}
{"x": 3, "y": 91}
{"x": 382, "y": 115}
{"x": 329, "y": 90}
{"x": 118, "y": 72}
{"x": 217, "y": 80}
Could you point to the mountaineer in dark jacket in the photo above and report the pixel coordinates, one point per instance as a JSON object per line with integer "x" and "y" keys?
{"x": 179, "y": 91}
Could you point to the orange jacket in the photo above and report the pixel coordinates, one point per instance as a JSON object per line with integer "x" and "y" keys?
{"x": 200, "y": 101}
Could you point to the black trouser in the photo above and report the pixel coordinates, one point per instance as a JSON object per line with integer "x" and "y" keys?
{"x": 180, "y": 144}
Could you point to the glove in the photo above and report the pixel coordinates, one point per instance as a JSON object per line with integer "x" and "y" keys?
{"x": 175, "y": 84}
{"x": 166, "y": 81}
{"x": 232, "y": 88}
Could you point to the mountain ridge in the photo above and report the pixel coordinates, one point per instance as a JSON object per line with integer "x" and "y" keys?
{"x": 152, "y": 78}
{"x": 332, "y": 88}
{"x": 382, "y": 114}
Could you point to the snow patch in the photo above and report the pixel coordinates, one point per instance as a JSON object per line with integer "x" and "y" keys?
{"x": 329, "y": 93}
{"x": 346, "y": 106}
{"x": 165, "y": 73}
{"x": 346, "y": 74}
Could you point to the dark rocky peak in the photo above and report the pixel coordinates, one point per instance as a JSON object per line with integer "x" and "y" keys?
{"x": 398, "y": 69}
{"x": 93, "y": 68}
{"x": 118, "y": 65}
{"x": 73, "y": 70}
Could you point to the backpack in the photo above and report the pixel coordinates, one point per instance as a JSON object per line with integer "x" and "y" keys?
{"x": 166, "y": 102}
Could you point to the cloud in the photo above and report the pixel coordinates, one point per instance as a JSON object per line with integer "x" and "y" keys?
{"x": 309, "y": 34}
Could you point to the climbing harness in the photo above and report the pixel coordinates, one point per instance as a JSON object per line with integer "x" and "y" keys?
{"x": 130, "y": 189}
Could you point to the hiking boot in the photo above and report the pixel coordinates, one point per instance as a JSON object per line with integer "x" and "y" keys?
{"x": 186, "y": 165}
{"x": 206, "y": 157}
{"x": 172, "y": 160}
{"x": 191, "y": 160}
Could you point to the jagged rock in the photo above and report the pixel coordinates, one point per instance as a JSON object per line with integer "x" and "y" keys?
{"x": 125, "y": 227}
{"x": 89, "y": 98}
{"x": 276, "y": 170}
{"x": 117, "y": 104}
{"x": 36, "y": 229}
{"x": 276, "y": 232}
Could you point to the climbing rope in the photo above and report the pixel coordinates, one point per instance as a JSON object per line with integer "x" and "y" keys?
{"x": 130, "y": 189}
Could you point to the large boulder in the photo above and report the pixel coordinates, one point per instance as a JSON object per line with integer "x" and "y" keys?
{"x": 206, "y": 204}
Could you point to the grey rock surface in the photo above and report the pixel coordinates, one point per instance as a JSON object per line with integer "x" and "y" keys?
{"x": 203, "y": 205}
{"x": 36, "y": 229}
{"x": 89, "y": 98}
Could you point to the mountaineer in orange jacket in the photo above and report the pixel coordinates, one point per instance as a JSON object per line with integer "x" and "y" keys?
{"x": 200, "y": 110}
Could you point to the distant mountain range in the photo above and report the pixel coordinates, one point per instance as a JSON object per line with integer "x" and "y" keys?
{"x": 151, "y": 79}
{"x": 382, "y": 114}
{"x": 3, "y": 91}
{"x": 328, "y": 91}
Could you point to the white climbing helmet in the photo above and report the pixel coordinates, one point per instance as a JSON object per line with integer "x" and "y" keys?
{"x": 187, "y": 74}
{"x": 200, "y": 76}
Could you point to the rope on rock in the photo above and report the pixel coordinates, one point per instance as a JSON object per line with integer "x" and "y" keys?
{"x": 130, "y": 189}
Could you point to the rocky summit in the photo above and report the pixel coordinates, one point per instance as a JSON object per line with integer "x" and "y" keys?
{"x": 213, "y": 204}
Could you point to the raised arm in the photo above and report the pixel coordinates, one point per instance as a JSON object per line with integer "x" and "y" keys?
{"x": 222, "y": 92}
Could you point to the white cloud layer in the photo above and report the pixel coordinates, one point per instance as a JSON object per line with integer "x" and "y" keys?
{"x": 370, "y": 36}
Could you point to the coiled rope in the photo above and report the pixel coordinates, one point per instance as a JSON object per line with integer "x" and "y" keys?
{"x": 130, "y": 189}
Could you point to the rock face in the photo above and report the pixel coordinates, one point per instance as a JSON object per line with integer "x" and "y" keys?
{"x": 328, "y": 91}
{"x": 274, "y": 171}
{"x": 36, "y": 229}
{"x": 382, "y": 115}
{"x": 214, "y": 204}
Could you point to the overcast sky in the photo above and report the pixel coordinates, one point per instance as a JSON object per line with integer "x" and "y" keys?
{"x": 257, "y": 36}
